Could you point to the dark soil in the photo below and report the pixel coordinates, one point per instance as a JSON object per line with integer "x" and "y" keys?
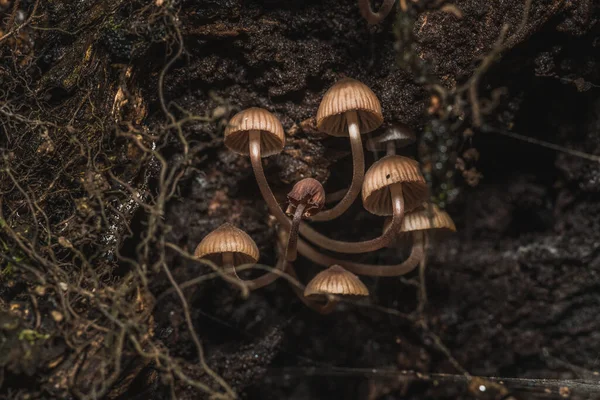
{"x": 515, "y": 293}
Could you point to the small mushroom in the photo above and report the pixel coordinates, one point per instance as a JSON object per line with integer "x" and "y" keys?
{"x": 418, "y": 223}
{"x": 349, "y": 108}
{"x": 397, "y": 135}
{"x": 258, "y": 133}
{"x": 371, "y": 17}
{"x": 228, "y": 246}
{"x": 391, "y": 185}
{"x": 336, "y": 280}
{"x": 306, "y": 198}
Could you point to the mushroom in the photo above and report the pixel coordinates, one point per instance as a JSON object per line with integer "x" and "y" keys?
{"x": 258, "y": 133}
{"x": 306, "y": 198}
{"x": 417, "y": 223}
{"x": 336, "y": 280}
{"x": 349, "y": 108}
{"x": 391, "y": 185}
{"x": 396, "y": 135}
{"x": 230, "y": 247}
{"x": 375, "y": 17}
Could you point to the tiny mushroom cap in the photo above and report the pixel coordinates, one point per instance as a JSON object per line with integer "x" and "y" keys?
{"x": 308, "y": 191}
{"x": 348, "y": 95}
{"x": 272, "y": 137}
{"x": 429, "y": 217}
{"x": 228, "y": 239}
{"x": 386, "y": 172}
{"x": 336, "y": 280}
{"x": 398, "y": 132}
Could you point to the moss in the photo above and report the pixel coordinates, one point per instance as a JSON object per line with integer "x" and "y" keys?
{"x": 32, "y": 336}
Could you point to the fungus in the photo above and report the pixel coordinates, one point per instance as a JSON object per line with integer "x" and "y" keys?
{"x": 397, "y": 135}
{"x": 391, "y": 185}
{"x": 417, "y": 223}
{"x": 306, "y": 198}
{"x": 336, "y": 280}
{"x": 230, "y": 246}
{"x": 349, "y": 108}
{"x": 371, "y": 17}
{"x": 258, "y": 133}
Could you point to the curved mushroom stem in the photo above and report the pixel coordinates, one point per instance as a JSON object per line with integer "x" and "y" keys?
{"x": 320, "y": 308}
{"x": 311, "y": 234}
{"x": 267, "y": 278}
{"x": 375, "y": 17}
{"x": 390, "y": 148}
{"x": 358, "y": 172}
{"x": 367, "y": 245}
{"x": 422, "y": 285}
{"x": 336, "y": 196}
{"x": 263, "y": 185}
{"x": 228, "y": 264}
{"x": 416, "y": 255}
{"x": 290, "y": 252}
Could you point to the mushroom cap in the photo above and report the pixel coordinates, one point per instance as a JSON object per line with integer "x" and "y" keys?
{"x": 348, "y": 95}
{"x": 386, "y": 172}
{"x": 308, "y": 191}
{"x": 237, "y": 132}
{"x": 336, "y": 280}
{"x": 228, "y": 238}
{"x": 397, "y": 132}
{"x": 429, "y": 217}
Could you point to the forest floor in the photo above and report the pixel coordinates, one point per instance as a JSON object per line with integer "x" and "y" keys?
{"x": 113, "y": 169}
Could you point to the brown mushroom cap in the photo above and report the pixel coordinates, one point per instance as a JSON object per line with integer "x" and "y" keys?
{"x": 308, "y": 191}
{"x": 228, "y": 238}
{"x": 386, "y": 172}
{"x": 237, "y": 133}
{"x": 429, "y": 217}
{"x": 397, "y": 132}
{"x": 336, "y": 280}
{"x": 348, "y": 95}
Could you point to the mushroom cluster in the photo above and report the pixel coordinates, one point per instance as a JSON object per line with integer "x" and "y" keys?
{"x": 393, "y": 186}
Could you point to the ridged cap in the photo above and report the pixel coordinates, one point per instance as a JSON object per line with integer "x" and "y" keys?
{"x": 398, "y": 132}
{"x": 336, "y": 280}
{"x": 308, "y": 191}
{"x": 345, "y": 95}
{"x": 237, "y": 133}
{"x": 384, "y": 173}
{"x": 430, "y": 217}
{"x": 228, "y": 238}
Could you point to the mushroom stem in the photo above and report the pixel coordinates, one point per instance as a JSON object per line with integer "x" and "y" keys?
{"x": 263, "y": 185}
{"x": 422, "y": 284}
{"x": 367, "y": 245}
{"x": 358, "y": 171}
{"x": 311, "y": 234}
{"x": 290, "y": 252}
{"x": 267, "y": 278}
{"x": 228, "y": 264}
{"x": 320, "y": 308}
{"x": 416, "y": 255}
{"x": 375, "y": 17}
{"x": 390, "y": 148}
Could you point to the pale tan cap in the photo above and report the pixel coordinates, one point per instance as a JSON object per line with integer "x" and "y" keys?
{"x": 237, "y": 133}
{"x": 386, "y": 172}
{"x": 336, "y": 280}
{"x": 228, "y": 238}
{"x": 348, "y": 95}
{"x": 430, "y": 217}
{"x": 397, "y": 132}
